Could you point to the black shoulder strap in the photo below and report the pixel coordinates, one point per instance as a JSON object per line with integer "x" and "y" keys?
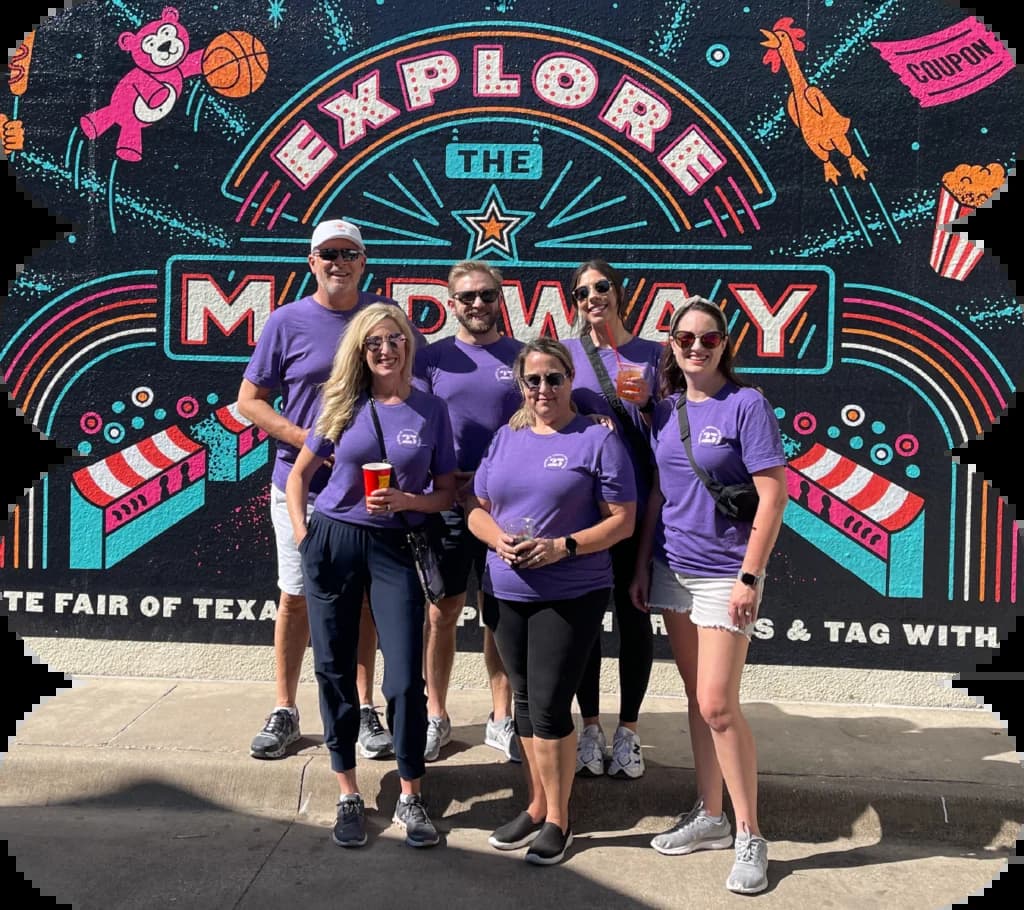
{"x": 684, "y": 435}
{"x": 638, "y": 441}
{"x": 383, "y": 451}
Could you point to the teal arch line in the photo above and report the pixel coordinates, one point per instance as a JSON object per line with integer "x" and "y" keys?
{"x": 60, "y": 298}
{"x": 525, "y": 121}
{"x": 49, "y": 427}
{"x": 966, "y": 329}
{"x": 949, "y": 443}
{"x": 307, "y": 89}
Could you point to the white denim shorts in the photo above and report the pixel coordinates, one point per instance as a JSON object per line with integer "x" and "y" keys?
{"x": 705, "y": 599}
{"x": 289, "y": 563}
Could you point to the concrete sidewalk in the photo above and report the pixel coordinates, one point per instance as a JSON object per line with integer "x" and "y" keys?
{"x": 932, "y": 796}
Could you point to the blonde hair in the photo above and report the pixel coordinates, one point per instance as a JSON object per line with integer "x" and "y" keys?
{"x": 350, "y": 375}
{"x": 472, "y": 267}
{"x": 550, "y": 347}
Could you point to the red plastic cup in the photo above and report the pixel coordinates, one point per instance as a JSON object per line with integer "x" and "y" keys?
{"x": 376, "y": 476}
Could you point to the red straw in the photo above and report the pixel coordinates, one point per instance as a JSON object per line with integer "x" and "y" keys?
{"x": 611, "y": 341}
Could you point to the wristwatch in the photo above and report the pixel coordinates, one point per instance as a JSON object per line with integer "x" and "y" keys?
{"x": 570, "y": 546}
{"x": 749, "y": 578}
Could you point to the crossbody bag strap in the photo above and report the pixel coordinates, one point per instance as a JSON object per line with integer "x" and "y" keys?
{"x": 684, "y": 435}
{"x": 639, "y": 441}
{"x": 383, "y": 451}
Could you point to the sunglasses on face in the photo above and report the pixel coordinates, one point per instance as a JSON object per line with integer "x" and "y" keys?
{"x": 487, "y": 295}
{"x": 709, "y": 340}
{"x": 375, "y": 342}
{"x": 598, "y": 287}
{"x": 533, "y": 380}
{"x": 329, "y": 255}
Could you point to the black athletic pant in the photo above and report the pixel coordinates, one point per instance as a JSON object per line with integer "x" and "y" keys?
{"x": 544, "y": 646}
{"x": 636, "y": 645}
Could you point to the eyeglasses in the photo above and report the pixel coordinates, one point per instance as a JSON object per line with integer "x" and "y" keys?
{"x": 376, "y": 342}
{"x": 599, "y": 287}
{"x": 487, "y": 295}
{"x": 709, "y": 340}
{"x": 330, "y": 255}
{"x": 533, "y": 380}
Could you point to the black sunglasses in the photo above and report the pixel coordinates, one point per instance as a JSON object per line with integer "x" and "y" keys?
{"x": 376, "y": 342}
{"x": 487, "y": 295}
{"x": 599, "y": 287}
{"x": 330, "y": 255}
{"x": 533, "y": 380}
{"x": 709, "y": 340}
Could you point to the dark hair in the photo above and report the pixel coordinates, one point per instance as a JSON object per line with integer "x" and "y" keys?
{"x": 670, "y": 374}
{"x": 598, "y": 265}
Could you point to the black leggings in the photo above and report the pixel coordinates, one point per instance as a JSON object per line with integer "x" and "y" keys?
{"x": 544, "y": 645}
{"x": 636, "y": 646}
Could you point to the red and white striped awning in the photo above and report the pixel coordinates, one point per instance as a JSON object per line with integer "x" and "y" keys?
{"x": 117, "y": 475}
{"x": 885, "y": 503}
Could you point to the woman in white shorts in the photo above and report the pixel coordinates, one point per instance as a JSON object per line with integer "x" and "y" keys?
{"x": 706, "y": 572}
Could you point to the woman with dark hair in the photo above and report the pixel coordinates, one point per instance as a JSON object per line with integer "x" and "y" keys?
{"x": 356, "y": 543}
{"x": 546, "y": 588}
{"x": 706, "y": 572}
{"x": 615, "y": 372}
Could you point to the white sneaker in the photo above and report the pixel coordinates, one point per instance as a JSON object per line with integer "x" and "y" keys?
{"x": 749, "y": 873}
{"x": 627, "y": 757}
{"x": 590, "y": 751}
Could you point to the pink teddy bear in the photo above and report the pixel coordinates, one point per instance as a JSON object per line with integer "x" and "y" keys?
{"x": 146, "y": 94}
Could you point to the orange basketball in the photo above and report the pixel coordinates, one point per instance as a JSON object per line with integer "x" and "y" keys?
{"x": 235, "y": 64}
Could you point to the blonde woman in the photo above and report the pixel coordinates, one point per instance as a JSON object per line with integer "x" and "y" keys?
{"x": 355, "y": 543}
{"x": 545, "y": 594}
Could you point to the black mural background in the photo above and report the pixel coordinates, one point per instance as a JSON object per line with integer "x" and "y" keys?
{"x": 27, "y": 455}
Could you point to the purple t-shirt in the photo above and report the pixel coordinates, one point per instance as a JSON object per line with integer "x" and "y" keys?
{"x": 294, "y": 354}
{"x": 477, "y": 384}
{"x": 589, "y": 398}
{"x": 557, "y": 480}
{"x": 418, "y": 440}
{"x": 733, "y": 434}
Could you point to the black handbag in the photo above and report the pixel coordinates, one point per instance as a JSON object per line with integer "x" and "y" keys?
{"x": 638, "y": 442}
{"x": 737, "y": 501}
{"x": 424, "y": 552}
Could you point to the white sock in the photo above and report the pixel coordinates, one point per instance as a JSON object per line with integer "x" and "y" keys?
{"x": 293, "y": 711}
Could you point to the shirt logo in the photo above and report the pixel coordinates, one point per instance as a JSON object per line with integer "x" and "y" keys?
{"x": 409, "y": 438}
{"x": 709, "y": 436}
{"x": 556, "y": 462}
{"x": 503, "y": 374}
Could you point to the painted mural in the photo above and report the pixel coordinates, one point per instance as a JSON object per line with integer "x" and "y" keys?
{"x": 804, "y": 165}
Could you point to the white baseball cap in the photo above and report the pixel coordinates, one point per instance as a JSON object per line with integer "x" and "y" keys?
{"x": 336, "y": 229}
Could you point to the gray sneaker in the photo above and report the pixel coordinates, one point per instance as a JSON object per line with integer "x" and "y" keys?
{"x": 439, "y": 734}
{"x": 412, "y": 816}
{"x": 694, "y": 831}
{"x": 501, "y": 735}
{"x": 591, "y": 748}
{"x": 750, "y": 870}
{"x": 278, "y": 733}
{"x": 350, "y": 827}
{"x": 374, "y": 740}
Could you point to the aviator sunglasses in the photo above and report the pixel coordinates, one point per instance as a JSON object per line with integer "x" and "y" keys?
{"x": 343, "y": 255}
{"x": 599, "y": 287}
{"x": 487, "y": 295}
{"x": 709, "y": 340}
{"x": 376, "y": 342}
{"x": 533, "y": 380}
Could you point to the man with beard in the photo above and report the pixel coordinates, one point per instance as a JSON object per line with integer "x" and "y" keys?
{"x": 472, "y": 372}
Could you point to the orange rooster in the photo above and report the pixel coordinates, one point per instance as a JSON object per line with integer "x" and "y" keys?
{"x": 823, "y": 127}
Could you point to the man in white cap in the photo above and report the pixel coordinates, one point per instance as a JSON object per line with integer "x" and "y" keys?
{"x": 292, "y": 357}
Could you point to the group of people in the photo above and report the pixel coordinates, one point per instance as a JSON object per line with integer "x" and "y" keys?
{"x": 553, "y": 473}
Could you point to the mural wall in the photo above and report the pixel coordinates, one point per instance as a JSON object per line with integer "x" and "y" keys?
{"x": 800, "y": 164}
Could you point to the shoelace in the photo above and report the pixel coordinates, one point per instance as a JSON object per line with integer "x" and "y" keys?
{"x": 415, "y": 811}
{"x": 591, "y": 749}
{"x": 277, "y": 722}
{"x": 622, "y": 750}
{"x": 747, "y": 851}
{"x": 373, "y": 723}
{"x": 688, "y": 820}
{"x": 350, "y": 807}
